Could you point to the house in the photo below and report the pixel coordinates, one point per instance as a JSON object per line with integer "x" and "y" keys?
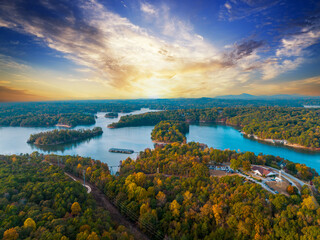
{"x": 262, "y": 171}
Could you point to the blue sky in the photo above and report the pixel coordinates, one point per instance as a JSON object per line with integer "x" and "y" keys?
{"x": 96, "y": 49}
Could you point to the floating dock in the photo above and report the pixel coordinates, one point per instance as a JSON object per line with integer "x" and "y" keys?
{"x": 121, "y": 150}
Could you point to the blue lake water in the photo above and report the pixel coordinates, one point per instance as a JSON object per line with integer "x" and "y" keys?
{"x": 13, "y": 141}
{"x": 226, "y": 137}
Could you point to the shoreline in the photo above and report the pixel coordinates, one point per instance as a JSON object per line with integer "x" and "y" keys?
{"x": 282, "y": 142}
{"x": 63, "y": 125}
{"x": 66, "y": 142}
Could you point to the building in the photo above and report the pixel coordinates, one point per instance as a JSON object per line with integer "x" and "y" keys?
{"x": 262, "y": 171}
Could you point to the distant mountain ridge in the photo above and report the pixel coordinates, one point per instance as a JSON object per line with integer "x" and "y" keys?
{"x": 246, "y": 96}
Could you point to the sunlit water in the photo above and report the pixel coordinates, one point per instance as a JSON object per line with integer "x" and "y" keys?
{"x": 13, "y": 140}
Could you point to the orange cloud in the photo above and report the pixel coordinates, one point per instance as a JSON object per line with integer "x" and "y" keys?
{"x": 14, "y": 95}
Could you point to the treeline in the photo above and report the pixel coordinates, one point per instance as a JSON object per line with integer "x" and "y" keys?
{"x": 94, "y": 106}
{"x": 296, "y": 125}
{"x": 44, "y": 120}
{"x": 56, "y": 136}
{"x": 170, "y": 131}
{"x": 153, "y": 118}
{"x": 38, "y": 201}
{"x": 184, "y": 202}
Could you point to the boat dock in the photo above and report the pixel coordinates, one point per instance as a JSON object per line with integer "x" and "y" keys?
{"x": 121, "y": 150}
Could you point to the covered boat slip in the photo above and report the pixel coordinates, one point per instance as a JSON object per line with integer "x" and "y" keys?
{"x": 121, "y": 150}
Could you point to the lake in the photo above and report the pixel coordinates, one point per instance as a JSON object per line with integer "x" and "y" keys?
{"x": 13, "y": 140}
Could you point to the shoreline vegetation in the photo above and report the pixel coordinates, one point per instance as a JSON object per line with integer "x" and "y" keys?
{"x": 57, "y": 137}
{"x": 67, "y": 120}
{"x": 278, "y": 142}
{"x": 293, "y": 127}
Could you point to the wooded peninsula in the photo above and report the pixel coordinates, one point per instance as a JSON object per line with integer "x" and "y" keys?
{"x": 170, "y": 131}
{"x": 298, "y": 126}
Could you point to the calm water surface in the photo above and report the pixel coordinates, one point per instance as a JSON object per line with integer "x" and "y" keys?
{"x": 226, "y": 137}
{"x": 13, "y": 141}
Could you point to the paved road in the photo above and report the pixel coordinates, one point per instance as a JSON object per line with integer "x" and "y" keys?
{"x": 290, "y": 176}
{"x": 260, "y": 183}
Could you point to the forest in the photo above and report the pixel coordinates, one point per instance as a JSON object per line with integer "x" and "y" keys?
{"x": 38, "y": 201}
{"x": 170, "y": 131}
{"x": 94, "y": 106}
{"x": 296, "y": 125}
{"x": 183, "y": 202}
{"x": 56, "y": 136}
{"x": 46, "y": 120}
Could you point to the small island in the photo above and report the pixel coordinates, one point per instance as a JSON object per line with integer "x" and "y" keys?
{"x": 57, "y": 137}
{"x": 111, "y": 115}
{"x": 170, "y": 131}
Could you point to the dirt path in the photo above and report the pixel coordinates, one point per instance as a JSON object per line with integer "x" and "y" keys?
{"x": 115, "y": 215}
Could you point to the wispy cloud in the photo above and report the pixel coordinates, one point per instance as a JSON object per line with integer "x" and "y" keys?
{"x": 148, "y": 8}
{"x": 240, "y": 9}
{"x": 294, "y": 45}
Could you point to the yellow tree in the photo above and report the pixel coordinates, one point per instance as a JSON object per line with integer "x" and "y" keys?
{"x": 29, "y": 222}
{"x": 217, "y": 212}
{"x": 10, "y": 234}
{"x": 140, "y": 178}
{"x": 310, "y": 203}
{"x": 187, "y": 197}
{"x": 93, "y": 236}
{"x": 75, "y": 208}
{"x": 162, "y": 198}
{"x": 175, "y": 208}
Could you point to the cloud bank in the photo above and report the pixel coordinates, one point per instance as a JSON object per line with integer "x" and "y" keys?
{"x": 135, "y": 61}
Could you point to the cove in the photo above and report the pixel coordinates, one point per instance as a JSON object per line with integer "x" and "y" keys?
{"x": 13, "y": 140}
{"x": 226, "y": 137}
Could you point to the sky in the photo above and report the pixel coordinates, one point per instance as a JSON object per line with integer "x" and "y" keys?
{"x": 124, "y": 49}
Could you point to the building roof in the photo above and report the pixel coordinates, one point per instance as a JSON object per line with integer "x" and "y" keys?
{"x": 262, "y": 170}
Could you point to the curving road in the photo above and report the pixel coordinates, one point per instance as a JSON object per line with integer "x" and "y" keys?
{"x": 265, "y": 186}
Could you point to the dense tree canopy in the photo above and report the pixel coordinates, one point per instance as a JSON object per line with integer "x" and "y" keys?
{"x": 184, "y": 202}
{"x": 43, "y": 120}
{"x": 38, "y": 201}
{"x": 56, "y": 137}
{"x": 170, "y": 131}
